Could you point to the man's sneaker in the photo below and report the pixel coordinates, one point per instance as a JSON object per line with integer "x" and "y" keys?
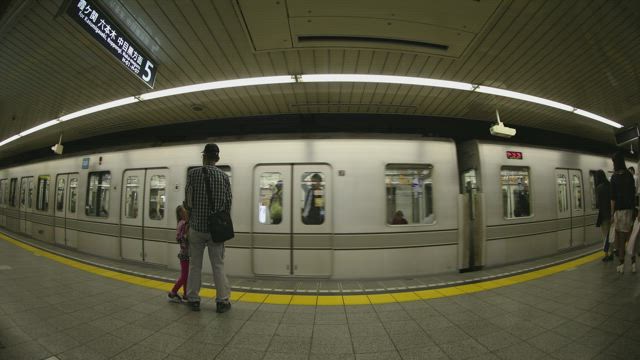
{"x": 185, "y": 298}
{"x": 174, "y": 298}
{"x": 194, "y": 305}
{"x": 633, "y": 267}
{"x": 223, "y": 306}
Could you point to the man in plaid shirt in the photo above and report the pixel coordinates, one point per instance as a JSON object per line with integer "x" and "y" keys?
{"x": 199, "y": 208}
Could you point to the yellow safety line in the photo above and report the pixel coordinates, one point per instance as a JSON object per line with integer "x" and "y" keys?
{"x": 313, "y": 300}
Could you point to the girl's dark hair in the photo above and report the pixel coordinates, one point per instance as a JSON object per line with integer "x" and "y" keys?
{"x": 618, "y": 161}
{"x": 601, "y": 178}
{"x": 178, "y": 218}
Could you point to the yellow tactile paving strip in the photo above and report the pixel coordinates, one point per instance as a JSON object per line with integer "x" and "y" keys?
{"x": 319, "y": 300}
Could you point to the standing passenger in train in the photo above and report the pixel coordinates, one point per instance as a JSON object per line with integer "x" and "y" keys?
{"x": 182, "y": 239}
{"x": 603, "y": 193}
{"x": 622, "y": 207}
{"x": 313, "y": 211}
{"x": 199, "y": 235}
{"x": 275, "y": 204}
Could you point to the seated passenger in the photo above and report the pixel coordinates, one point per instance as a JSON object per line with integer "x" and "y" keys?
{"x": 398, "y": 219}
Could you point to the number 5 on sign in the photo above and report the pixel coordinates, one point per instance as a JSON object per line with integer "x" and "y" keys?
{"x": 147, "y": 71}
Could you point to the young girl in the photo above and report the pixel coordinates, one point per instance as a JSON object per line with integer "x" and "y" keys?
{"x": 183, "y": 255}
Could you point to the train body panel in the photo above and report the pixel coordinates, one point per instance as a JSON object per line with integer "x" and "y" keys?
{"x": 123, "y": 204}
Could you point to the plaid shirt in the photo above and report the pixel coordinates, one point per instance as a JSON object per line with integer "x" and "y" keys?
{"x": 196, "y": 195}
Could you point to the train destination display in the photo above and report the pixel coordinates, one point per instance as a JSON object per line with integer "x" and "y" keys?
{"x": 107, "y": 33}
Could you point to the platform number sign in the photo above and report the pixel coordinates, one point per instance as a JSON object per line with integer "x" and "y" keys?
{"x": 114, "y": 40}
{"x": 514, "y": 155}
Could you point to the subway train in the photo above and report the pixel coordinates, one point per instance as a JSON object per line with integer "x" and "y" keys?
{"x": 339, "y": 208}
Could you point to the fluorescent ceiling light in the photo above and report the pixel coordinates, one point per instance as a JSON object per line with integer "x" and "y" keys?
{"x": 40, "y": 127}
{"x": 100, "y": 107}
{"x": 598, "y": 118}
{"x": 389, "y": 79}
{"x": 525, "y": 97}
{"x": 224, "y": 84}
{"x": 6, "y": 141}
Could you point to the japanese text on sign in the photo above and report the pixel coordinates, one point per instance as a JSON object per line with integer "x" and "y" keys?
{"x": 113, "y": 39}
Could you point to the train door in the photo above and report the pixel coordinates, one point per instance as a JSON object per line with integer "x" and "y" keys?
{"x": 570, "y": 207}
{"x": 131, "y": 247}
{"x": 71, "y": 212}
{"x": 471, "y": 256}
{"x": 564, "y": 208}
{"x": 577, "y": 207}
{"x": 3, "y": 216}
{"x": 62, "y": 181}
{"x": 24, "y": 191}
{"x": 143, "y": 218}
{"x": 292, "y": 220}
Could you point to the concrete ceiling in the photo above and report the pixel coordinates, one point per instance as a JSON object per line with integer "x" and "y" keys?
{"x": 585, "y": 53}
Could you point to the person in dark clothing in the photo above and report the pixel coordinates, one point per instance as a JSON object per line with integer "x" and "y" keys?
{"x": 603, "y": 193}
{"x": 313, "y": 210}
{"x": 623, "y": 192}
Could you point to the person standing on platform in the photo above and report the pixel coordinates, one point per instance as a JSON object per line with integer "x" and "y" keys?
{"x": 199, "y": 232}
{"x": 603, "y": 194}
{"x": 622, "y": 207}
{"x": 181, "y": 237}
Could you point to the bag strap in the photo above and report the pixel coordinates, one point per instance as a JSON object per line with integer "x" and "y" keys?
{"x": 205, "y": 173}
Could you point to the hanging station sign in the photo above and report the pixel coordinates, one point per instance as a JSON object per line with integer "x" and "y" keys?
{"x": 107, "y": 33}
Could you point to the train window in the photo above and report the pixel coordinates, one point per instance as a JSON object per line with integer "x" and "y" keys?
{"x": 409, "y": 192}
{"x": 42, "y": 202}
{"x": 98, "y": 194}
{"x": 13, "y": 192}
{"x": 577, "y": 192}
{"x": 312, "y": 185}
{"x": 73, "y": 194}
{"x": 60, "y": 193}
{"x": 157, "y": 197}
{"x": 515, "y": 191}
{"x": 271, "y": 196}
{"x": 592, "y": 183}
{"x": 132, "y": 189}
{"x": 563, "y": 194}
{"x": 3, "y": 189}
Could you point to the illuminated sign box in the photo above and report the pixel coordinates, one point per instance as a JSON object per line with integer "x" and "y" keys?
{"x": 514, "y": 155}
{"x": 114, "y": 40}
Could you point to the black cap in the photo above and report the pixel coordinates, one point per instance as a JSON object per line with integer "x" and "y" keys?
{"x": 211, "y": 149}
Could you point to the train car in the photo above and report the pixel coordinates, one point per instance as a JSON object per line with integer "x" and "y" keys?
{"x": 382, "y": 207}
{"x": 527, "y": 202}
{"x": 325, "y": 208}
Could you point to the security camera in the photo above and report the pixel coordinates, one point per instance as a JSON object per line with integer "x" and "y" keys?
{"x": 57, "y": 148}
{"x": 500, "y": 130}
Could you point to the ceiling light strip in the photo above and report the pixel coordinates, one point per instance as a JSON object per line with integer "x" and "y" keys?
{"x": 6, "y": 141}
{"x": 524, "y": 97}
{"x": 100, "y": 107}
{"x": 317, "y": 78}
{"x": 389, "y": 79}
{"x": 40, "y": 127}
{"x": 216, "y": 85}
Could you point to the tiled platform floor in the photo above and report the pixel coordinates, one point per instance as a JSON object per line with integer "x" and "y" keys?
{"x": 315, "y": 286}
{"x": 50, "y": 310}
